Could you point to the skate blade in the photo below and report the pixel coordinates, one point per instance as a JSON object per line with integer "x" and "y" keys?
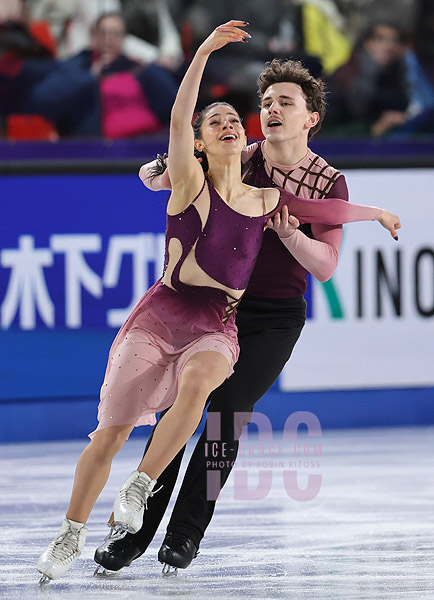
{"x": 169, "y": 571}
{"x": 45, "y": 580}
{"x": 101, "y": 571}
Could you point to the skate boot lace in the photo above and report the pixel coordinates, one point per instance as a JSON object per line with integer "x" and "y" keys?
{"x": 133, "y": 495}
{"x": 66, "y": 545}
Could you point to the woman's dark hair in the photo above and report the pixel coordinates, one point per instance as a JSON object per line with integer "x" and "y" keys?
{"x": 159, "y": 167}
{"x": 161, "y": 164}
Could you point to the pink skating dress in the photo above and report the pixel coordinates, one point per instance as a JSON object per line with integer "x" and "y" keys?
{"x": 210, "y": 254}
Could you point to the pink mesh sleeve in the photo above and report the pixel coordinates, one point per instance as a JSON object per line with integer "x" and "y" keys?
{"x": 320, "y": 255}
{"x": 329, "y": 211}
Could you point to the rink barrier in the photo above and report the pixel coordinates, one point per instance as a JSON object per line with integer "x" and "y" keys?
{"x": 59, "y": 418}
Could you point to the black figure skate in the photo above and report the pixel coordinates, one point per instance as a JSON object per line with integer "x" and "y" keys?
{"x": 115, "y": 553}
{"x": 176, "y": 552}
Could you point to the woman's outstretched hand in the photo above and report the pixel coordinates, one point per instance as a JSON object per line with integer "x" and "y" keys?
{"x": 390, "y": 222}
{"x": 224, "y": 34}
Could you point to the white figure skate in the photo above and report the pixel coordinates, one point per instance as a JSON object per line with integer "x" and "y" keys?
{"x": 63, "y": 551}
{"x": 131, "y": 502}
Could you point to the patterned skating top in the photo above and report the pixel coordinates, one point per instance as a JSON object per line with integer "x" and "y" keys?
{"x": 277, "y": 273}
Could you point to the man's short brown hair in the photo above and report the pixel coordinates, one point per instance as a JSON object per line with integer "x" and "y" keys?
{"x": 293, "y": 71}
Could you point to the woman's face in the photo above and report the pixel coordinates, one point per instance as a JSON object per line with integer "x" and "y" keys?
{"x": 221, "y": 131}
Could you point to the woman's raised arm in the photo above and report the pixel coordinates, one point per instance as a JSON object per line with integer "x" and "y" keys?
{"x": 185, "y": 172}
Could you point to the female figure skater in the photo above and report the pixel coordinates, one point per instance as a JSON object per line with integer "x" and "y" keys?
{"x": 180, "y": 341}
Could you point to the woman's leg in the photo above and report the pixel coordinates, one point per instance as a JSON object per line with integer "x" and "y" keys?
{"x": 202, "y": 374}
{"x": 93, "y": 469}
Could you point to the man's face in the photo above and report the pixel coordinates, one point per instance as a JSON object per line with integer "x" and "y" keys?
{"x": 108, "y": 37}
{"x": 284, "y": 114}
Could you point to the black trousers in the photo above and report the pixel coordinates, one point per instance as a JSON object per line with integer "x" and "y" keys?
{"x": 267, "y": 331}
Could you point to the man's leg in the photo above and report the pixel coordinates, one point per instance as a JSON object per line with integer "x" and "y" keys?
{"x": 264, "y": 352}
{"x": 115, "y": 554}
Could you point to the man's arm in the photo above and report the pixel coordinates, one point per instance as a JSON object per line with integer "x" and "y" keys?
{"x": 157, "y": 183}
{"x": 330, "y": 211}
{"x": 319, "y": 255}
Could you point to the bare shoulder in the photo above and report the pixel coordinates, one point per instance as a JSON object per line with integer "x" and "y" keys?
{"x": 267, "y": 198}
{"x": 271, "y": 198}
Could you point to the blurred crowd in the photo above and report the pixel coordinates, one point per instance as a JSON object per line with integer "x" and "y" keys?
{"x": 111, "y": 68}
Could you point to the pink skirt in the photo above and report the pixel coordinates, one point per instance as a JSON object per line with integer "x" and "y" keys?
{"x": 164, "y": 330}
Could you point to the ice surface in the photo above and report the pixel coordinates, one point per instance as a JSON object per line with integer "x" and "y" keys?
{"x": 368, "y": 534}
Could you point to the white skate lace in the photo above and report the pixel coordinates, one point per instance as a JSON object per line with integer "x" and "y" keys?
{"x": 66, "y": 545}
{"x": 133, "y": 495}
{"x": 116, "y": 533}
